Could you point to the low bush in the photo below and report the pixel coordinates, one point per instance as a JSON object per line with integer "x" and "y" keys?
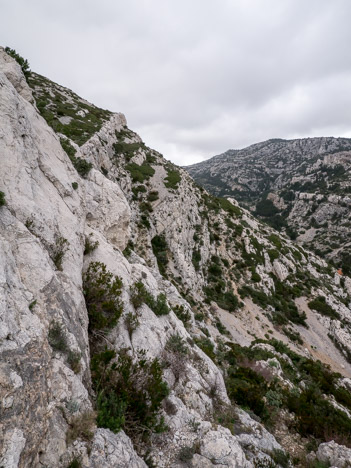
{"x": 173, "y": 178}
{"x": 129, "y": 394}
{"x": 196, "y": 259}
{"x": 153, "y": 196}
{"x": 57, "y": 338}
{"x": 160, "y": 250}
{"x": 2, "y": 199}
{"x": 140, "y": 295}
{"x": 90, "y": 246}
{"x": 73, "y": 359}
{"x": 82, "y": 166}
{"x": 266, "y": 208}
{"x": 58, "y": 251}
{"x": 176, "y": 344}
{"x": 247, "y": 389}
{"x": 140, "y": 173}
{"x": 58, "y": 341}
{"x": 102, "y": 291}
{"x": 182, "y": 314}
{"x": 81, "y": 427}
{"x": 320, "y": 305}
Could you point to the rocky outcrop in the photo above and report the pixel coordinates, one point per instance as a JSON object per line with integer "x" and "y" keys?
{"x": 336, "y": 455}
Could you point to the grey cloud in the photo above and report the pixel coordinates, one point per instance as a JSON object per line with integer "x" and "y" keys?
{"x": 196, "y": 78}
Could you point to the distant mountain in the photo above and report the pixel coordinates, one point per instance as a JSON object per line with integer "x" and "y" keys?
{"x": 301, "y": 186}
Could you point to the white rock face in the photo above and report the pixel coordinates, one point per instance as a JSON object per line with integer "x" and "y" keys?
{"x": 223, "y": 449}
{"x": 113, "y": 450}
{"x": 12, "y": 71}
{"x": 338, "y": 456}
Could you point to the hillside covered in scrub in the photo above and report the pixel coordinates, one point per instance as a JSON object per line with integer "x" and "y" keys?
{"x": 301, "y": 187}
{"x": 145, "y": 322}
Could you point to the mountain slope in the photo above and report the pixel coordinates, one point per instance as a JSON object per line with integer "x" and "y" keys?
{"x": 301, "y": 185}
{"x": 140, "y": 315}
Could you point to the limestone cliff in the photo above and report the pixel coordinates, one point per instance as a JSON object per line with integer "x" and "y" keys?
{"x": 113, "y": 260}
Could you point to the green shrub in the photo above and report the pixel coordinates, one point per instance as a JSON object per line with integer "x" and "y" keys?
{"x": 82, "y": 166}
{"x": 102, "y": 291}
{"x": 281, "y": 458}
{"x": 81, "y": 427}
{"x": 186, "y": 454}
{"x": 206, "y": 345}
{"x": 138, "y": 189}
{"x": 68, "y": 148}
{"x": 182, "y": 314}
{"x": 2, "y": 199}
{"x": 73, "y": 359}
{"x": 247, "y": 389}
{"x": 145, "y": 207}
{"x": 58, "y": 341}
{"x": 216, "y": 204}
{"x": 90, "y": 246}
{"x": 273, "y": 254}
{"x": 320, "y": 305}
{"x": 52, "y": 104}
{"x": 316, "y": 416}
{"x": 140, "y": 173}
{"x": 32, "y": 304}
{"x": 129, "y": 394}
{"x": 74, "y": 185}
{"x": 57, "y": 337}
{"x": 153, "y": 196}
{"x": 173, "y": 178}
{"x": 139, "y": 295}
{"x": 275, "y": 241}
{"x": 256, "y": 278}
{"x": 196, "y": 259}
{"x": 176, "y": 344}
{"x": 128, "y": 250}
{"x": 160, "y": 250}
{"x": 161, "y": 307}
{"x": 75, "y": 463}
{"x": 58, "y": 251}
{"x": 266, "y": 208}
{"x": 128, "y": 149}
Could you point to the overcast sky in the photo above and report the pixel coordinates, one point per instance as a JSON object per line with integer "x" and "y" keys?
{"x": 196, "y": 77}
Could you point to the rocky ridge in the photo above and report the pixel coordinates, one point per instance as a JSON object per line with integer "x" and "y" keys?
{"x": 300, "y": 186}
{"x": 219, "y": 303}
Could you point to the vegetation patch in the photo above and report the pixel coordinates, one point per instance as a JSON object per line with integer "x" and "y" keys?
{"x": 140, "y": 295}
{"x": 160, "y": 250}
{"x": 129, "y": 394}
{"x": 256, "y": 389}
{"x": 127, "y": 149}
{"x": 173, "y": 178}
{"x": 2, "y": 199}
{"x": 140, "y": 173}
{"x": 320, "y": 305}
{"x": 82, "y": 166}
{"x": 58, "y": 341}
{"x": 56, "y": 103}
{"x": 58, "y": 251}
{"x": 102, "y": 291}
